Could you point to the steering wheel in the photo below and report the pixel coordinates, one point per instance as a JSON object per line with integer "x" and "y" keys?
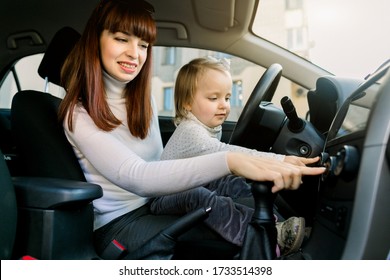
{"x": 263, "y": 91}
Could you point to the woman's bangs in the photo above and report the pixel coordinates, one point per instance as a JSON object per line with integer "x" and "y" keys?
{"x": 132, "y": 21}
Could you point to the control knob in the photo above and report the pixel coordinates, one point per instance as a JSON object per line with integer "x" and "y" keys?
{"x": 344, "y": 164}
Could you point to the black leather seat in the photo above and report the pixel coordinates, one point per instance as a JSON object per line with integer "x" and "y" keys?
{"x": 53, "y": 186}
{"x": 28, "y": 207}
{"x": 43, "y": 150}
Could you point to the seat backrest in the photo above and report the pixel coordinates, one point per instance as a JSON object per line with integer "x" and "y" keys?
{"x": 8, "y": 216}
{"x": 42, "y": 147}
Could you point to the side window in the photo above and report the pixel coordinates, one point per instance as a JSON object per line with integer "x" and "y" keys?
{"x": 236, "y": 98}
{"x": 245, "y": 76}
{"x": 7, "y": 90}
{"x": 170, "y": 55}
{"x": 24, "y": 76}
{"x": 168, "y": 99}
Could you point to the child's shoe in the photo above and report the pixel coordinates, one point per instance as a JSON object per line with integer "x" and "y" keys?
{"x": 290, "y": 235}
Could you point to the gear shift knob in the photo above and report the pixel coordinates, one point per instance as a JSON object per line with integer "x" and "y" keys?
{"x": 263, "y": 197}
{"x": 261, "y": 235}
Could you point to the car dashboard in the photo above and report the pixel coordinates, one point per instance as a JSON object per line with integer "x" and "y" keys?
{"x": 354, "y": 193}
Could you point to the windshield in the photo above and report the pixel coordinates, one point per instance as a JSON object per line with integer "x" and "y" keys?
{"x": 346, "y": 37}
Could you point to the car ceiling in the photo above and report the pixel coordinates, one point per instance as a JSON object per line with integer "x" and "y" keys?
{"x": 185, "y": 27}
{"x": 222, "y": 25}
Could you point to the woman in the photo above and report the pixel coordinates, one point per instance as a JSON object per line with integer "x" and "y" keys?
{"x": 110, "y": 119}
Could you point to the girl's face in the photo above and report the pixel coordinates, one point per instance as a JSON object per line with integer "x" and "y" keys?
{"x": 211, "y": 104}
{"x": 122, "y": 55}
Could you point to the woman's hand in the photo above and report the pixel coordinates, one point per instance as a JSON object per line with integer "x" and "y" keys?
{"x": 300, "y": 161}
{"x": 284, "y": 174}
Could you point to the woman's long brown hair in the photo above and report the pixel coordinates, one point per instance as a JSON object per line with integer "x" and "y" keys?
{"x": 82, "y": 75}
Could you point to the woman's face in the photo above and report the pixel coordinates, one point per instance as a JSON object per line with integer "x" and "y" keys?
{"x": 122, "y": 55}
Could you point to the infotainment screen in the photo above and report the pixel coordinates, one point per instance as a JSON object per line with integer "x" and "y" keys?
{"x": 353, "y": 115}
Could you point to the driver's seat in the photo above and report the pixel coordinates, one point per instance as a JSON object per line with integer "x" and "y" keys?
{"x": 43, "y": 150}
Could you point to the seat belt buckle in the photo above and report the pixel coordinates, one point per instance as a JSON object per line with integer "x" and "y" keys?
{"x": 114, "y": 251}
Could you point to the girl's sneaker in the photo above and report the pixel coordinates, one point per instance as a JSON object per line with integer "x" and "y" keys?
{"x": 290, "y": 235}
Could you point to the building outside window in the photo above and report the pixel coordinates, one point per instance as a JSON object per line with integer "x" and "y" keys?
{"x": 236, "y": 98}
{"x": 168, "y": 99}
{"x": 170, "y": 56}
{"x": 294, "y": 4}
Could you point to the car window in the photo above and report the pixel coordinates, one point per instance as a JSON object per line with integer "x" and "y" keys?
{"x": 316, "y": 31}
{"x": 24, "y": 76}
{"x": 167, "y": 62}
{"x": 245, "y": 74}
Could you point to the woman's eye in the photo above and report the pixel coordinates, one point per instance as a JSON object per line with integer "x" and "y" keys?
{"x": 121, "y": 39}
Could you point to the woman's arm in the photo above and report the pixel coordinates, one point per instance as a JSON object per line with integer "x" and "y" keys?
{"x": 101, "y": 152}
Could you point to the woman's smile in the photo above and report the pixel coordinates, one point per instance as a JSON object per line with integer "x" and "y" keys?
{"x": 128, "y": 67}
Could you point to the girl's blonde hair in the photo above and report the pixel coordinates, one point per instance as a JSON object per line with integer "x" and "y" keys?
{"x": 187, "y": 82}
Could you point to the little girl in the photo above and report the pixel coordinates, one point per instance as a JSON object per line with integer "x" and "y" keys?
{"x": 202, "y": 92}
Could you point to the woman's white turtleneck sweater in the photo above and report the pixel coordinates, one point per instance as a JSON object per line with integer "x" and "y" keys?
{"x": 129, "y": 169}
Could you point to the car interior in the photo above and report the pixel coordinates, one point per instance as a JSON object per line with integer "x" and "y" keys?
{"x": 47, "y": 204}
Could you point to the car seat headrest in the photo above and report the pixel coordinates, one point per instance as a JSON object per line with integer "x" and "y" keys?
{"x": 57, "y": 51}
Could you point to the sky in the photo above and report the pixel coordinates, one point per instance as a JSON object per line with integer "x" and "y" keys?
{"x": 349, "y": 37}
